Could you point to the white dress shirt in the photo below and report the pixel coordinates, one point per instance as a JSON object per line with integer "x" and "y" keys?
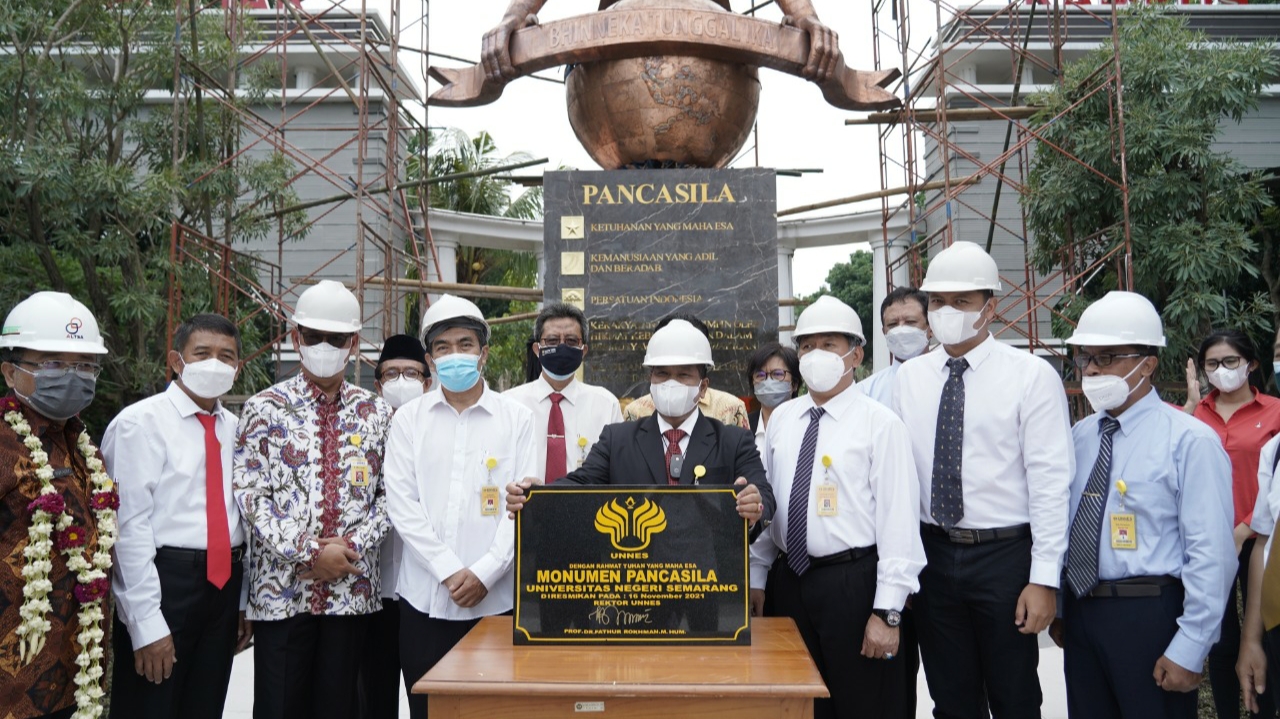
{"x": 1018, "y": 458}
{"x": 154, "y": 450}
{"x": 586, "y": 409}
{"x": 436, "y": 469}
{"x": 1268, "y": 504}
{"x": 686, "y": 426}
{"x": 876, "y": 489}
{"x": 879, "y": 386}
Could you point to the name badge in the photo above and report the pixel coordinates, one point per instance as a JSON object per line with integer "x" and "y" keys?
{"x": 489, "y": 501}
{"x": 359, "y": 475}
{"x": 828, "y": 502}
{"x": 1124, "y": 531}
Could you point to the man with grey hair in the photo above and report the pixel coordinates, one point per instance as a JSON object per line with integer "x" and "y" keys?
{"x": 449, "y": 454}
{"x": 568, "y": 414}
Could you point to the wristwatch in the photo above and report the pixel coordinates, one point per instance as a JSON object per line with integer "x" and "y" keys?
{"x": 892, "y": 617}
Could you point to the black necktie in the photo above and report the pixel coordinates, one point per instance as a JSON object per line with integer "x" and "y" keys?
{"x": 946, "y": 499}
{"x": 798, "y": 506}
{"x": 1086, "y": 528}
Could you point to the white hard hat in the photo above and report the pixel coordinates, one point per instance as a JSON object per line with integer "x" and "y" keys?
{"x": 451, "y": 307}
{"x": 328, "y": 306}
{"x": 678, "y": 343}
{"x": 962, "y": 267}
{"x": 52, "y": 322}
{"x": 829, "y": 314}
{"x": 1119, "y": 318}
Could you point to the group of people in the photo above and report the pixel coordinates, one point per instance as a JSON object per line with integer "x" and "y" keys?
{"x": 942, "y": 512}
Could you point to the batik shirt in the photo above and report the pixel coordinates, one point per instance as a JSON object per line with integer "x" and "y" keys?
{"x": 306, "y": 468}
{"x": 45, "y": 685}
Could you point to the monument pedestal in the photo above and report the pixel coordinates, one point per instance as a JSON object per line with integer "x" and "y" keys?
{"x": 487, "y": 677}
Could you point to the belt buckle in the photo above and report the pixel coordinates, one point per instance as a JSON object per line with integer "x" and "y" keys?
{"x": 962, "y": 536}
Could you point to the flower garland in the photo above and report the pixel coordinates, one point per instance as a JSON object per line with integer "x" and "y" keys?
{"x": 53, "y": 528}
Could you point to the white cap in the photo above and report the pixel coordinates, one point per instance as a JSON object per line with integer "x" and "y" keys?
{"x": 678, "y": 343}
{"x": 451, "y": 307}
{"x": 829, "y": 314}
{"x": 328, "y": 306}
{"x": 52, "y": 322}
{"x": 1119, "y": 318}
{"x": 962, "y": 267}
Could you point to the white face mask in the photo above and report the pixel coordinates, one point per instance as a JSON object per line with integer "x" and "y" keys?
{"x": 905, "y": 341}
{"x": 209, "y": 378}
{"x": 1107, "y": 391}
{"x": 1229, "y": 380}
{"x": 324, "y": 360}
{"x": 401, "y": 390}
{"x": 673, "y": 399}
{"x": 953, "y": 327}
{"x": 822, "y": 370}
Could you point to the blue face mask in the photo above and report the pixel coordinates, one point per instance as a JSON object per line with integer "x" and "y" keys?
{"x": 458, "y": 372}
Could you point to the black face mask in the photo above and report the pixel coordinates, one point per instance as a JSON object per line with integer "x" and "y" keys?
{"x": 561, "y": 361}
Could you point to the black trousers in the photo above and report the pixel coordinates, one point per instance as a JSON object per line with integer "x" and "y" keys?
{"x": 203, "y": 621}
{"x": 305, "y": 667}
{"x": 831, "y": 606}
{"x": 909, "y": 650}
{"x": 972, "y": 651}
{"x": 1110, "y": 651}
{"x": 1223, "y": 655}
{"x": 1271, "y": 647}
{"x": 423, "y": 642}
{"x": 380, "y": 669}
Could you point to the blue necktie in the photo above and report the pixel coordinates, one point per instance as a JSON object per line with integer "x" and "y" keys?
{"x": 1086, "y": 528}
{"x": 798, "y": 507}
{"x": 946, "y": 498}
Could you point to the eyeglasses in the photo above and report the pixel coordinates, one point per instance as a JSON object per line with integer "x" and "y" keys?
{"x": 1082, "y": 360}
{"x": 58, "y": 368}
{"x": 311, "y": 338}
{"x": 1229, "y": 362}
{"x": 393, "y": 374}
{"x": 781, "y": 375}
{"x": 553, "y": 340}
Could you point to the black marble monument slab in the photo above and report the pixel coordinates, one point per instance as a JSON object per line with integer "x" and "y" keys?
{"x": 631, "y": 565}
{"x": 632, "y": 246}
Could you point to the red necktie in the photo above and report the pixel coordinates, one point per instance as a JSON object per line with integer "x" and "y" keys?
{"x": 557, "y": 455}
{"x": 218, "y": 565}
{"x": 673, "y": 450}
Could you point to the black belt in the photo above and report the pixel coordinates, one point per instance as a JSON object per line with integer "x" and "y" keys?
{"x": 848, "y": 555}
{"x": 194, "y": 556}
{"x": 1134, "y": 587}
{"x": 979, "y": 536}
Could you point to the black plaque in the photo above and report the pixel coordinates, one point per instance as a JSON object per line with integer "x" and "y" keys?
{"x": 631, "y": 564}
{"x": 631, "y": 246}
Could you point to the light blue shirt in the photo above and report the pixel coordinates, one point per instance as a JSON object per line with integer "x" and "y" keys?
{"x": 1178, "y": 484}
{"x": 879, "y": 386}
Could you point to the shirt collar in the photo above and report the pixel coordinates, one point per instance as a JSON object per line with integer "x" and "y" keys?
{"x": 1132, "y": 417}
{"x": 1210, "y": 401}
{"x": 545, "y": 389}
{"x": 313, "y": 392}
{"x": 488, "y": 402}
{"x": 838, "y": 405}
{"x": 687, "y": 425}
{"x": 185, "y": 405}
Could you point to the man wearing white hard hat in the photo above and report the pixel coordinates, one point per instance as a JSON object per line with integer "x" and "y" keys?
{"x": 450, "y": 453}
{"x": 671, "y": 445}
{"x": 308, "y": 479}
{"x": 1151, "y": 557}
{"x": 53, "y": 594}
{"x": 845, "y": 547}
{"x": 991, "y": 437}
{"x": 179, "y": 562}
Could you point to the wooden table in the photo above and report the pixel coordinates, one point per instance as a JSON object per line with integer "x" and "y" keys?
{"x": 486, "y": 677}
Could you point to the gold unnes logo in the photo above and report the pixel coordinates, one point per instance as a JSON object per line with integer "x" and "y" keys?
{"x": 631, "y": 527}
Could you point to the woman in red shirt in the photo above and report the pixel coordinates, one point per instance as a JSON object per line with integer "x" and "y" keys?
{"x": 1244, "y": 419}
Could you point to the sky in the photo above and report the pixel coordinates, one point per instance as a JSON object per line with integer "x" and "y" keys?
{"x": 796, "y": 129}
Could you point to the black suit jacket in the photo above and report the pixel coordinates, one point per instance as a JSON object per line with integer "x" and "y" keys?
{"x": 632, "y": 453}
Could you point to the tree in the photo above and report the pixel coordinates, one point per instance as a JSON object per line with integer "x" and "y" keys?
{"x": 449, "y": 152}
{"x": 851, "y": 283}
{"x": 1190, "y": 208}
{"x": 92, "y": 178}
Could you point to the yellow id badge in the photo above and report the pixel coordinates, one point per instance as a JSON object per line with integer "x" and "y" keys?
{"x": 359, "y": 473}
{"x": 1124, "y": 531}
{"x": 827, "y": 502}
{"x": 489, "y": 501}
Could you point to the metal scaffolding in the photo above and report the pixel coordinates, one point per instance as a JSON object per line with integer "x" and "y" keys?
{"x": 979, "y": 66}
